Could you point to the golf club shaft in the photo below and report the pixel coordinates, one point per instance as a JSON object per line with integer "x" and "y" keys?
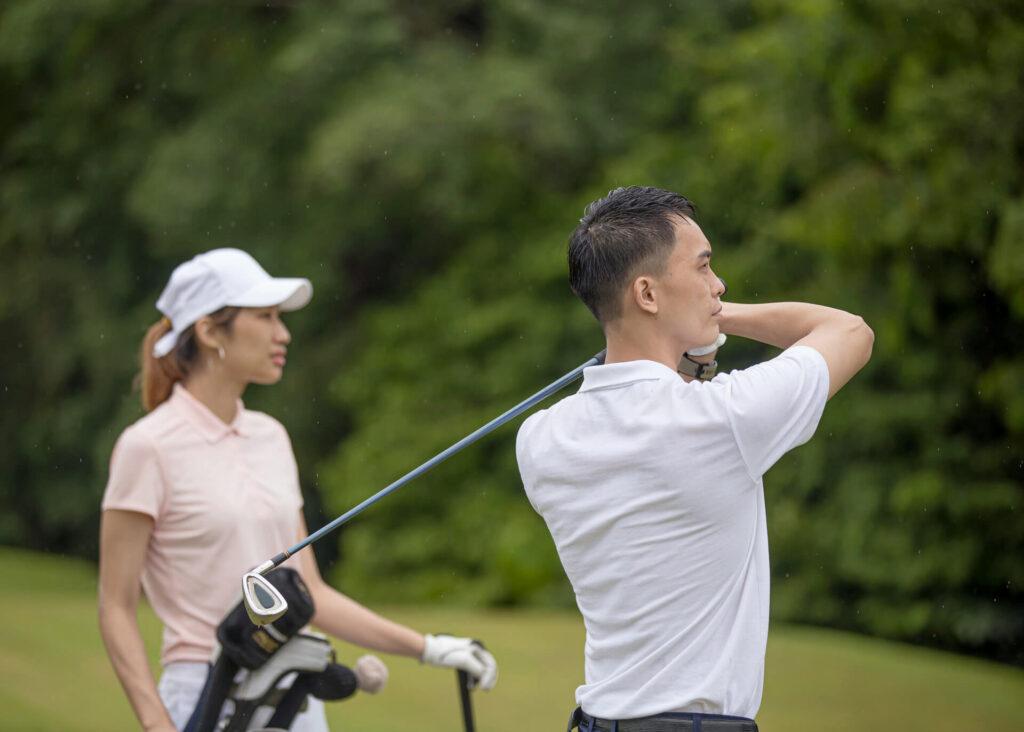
{"x": 469, "y": 439}
{"x": 465, "y": 700}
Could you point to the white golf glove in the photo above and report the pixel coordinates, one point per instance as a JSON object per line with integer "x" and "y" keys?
{"x": 462, "y": 653}
{"x": 711, "y": 348}
{"x": 371, "y": 674}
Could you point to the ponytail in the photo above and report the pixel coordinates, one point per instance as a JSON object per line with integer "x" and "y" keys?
{"x": 158, "y": 375}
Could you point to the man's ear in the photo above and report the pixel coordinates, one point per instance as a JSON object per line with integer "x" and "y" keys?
{"x": 643, "y": 294}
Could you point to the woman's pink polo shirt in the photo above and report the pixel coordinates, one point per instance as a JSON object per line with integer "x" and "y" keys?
{"x": 223, "y": 497}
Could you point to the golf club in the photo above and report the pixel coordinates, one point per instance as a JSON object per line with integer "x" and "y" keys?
{"x": 466, "y": 701}
{"x": 265, "y": 604}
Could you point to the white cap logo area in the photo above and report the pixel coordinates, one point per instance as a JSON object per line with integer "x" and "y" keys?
{"x": 217, "y": 279}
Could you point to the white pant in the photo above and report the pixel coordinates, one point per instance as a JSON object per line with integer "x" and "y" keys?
{"x": 181, "y": 684}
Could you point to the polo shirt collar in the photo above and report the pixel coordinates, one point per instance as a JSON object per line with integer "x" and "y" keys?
{"x": 623, "y": 373}
{"x": 212, "y": 427}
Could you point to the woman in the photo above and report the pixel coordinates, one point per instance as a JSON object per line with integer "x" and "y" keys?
{"x": 201, "y": 490}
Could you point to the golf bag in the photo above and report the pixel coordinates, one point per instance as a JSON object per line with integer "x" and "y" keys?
{"x": 265, "y": 655}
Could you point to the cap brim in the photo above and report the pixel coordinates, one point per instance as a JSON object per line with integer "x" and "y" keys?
{"x": 287, "y": 293}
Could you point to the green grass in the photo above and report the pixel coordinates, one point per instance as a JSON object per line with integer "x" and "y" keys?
{"x": 56, "y": 675}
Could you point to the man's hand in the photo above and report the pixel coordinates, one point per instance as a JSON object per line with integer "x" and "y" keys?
{"x": 704, "y": 355}
{"x": 704, "y": 358}
{"x": 462, "y": 653}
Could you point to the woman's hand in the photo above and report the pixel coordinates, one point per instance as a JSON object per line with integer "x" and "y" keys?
{"x": 465, "y": 654}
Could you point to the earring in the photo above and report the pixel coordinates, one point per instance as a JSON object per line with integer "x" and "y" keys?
{"x": 220, "y": 352}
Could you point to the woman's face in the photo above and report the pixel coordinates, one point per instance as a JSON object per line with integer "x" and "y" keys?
{"x": 255, "y": 349}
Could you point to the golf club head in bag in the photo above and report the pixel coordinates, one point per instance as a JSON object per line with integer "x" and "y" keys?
{"x": 263, "y": 602}
{"x": 334, "y": 683}
{"x": 250, "y": 647}
{"x": 246, "y": 647}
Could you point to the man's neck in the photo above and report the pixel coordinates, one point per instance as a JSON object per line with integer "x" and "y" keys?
{"x": 627, "y": 343}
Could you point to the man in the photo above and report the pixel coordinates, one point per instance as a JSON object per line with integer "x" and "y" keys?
{"x": 650, "y": 481}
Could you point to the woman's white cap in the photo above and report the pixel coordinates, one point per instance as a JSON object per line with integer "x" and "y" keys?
{"x": 219, "y": 278}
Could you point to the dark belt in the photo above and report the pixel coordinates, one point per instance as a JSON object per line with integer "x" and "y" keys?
{"x": 667, "y": 722}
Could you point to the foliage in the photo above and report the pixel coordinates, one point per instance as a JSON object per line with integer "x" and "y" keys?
{"x": 423, "y": 164}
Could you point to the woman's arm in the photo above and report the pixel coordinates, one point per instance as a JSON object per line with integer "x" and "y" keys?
{"x": 124, "y": 536}
{"x": 347, "y": 619}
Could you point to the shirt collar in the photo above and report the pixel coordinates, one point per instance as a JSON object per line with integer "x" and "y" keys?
{"x": 623, "y": 373}
{"x": 212, "y": 427}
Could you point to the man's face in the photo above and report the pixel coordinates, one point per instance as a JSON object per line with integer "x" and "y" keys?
{"x": 688, "y": 291}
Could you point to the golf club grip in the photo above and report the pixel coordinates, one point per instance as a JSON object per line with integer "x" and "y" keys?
{"x": 467, "y": 701}
{"x": 466, "y": 441}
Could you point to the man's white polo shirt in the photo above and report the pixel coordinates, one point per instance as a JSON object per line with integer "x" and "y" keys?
{"x": 651, "y": 488}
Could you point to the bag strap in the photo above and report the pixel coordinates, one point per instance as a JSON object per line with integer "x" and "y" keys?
{"x": 215, "y": 692}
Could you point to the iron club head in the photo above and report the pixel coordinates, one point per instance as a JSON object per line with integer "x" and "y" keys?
{"x": 263, "y": 601}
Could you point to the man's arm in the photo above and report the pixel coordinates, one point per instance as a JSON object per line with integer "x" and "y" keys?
{"x": 843, "y": 339}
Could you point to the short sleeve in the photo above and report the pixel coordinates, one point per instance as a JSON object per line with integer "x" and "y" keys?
{"x": 776, "y": 405}
{"x": 135, "y": 483}
{"x": 522, "y": 456}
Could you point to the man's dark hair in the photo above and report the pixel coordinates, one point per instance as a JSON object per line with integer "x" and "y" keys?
{"x": 620, "y": 235}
